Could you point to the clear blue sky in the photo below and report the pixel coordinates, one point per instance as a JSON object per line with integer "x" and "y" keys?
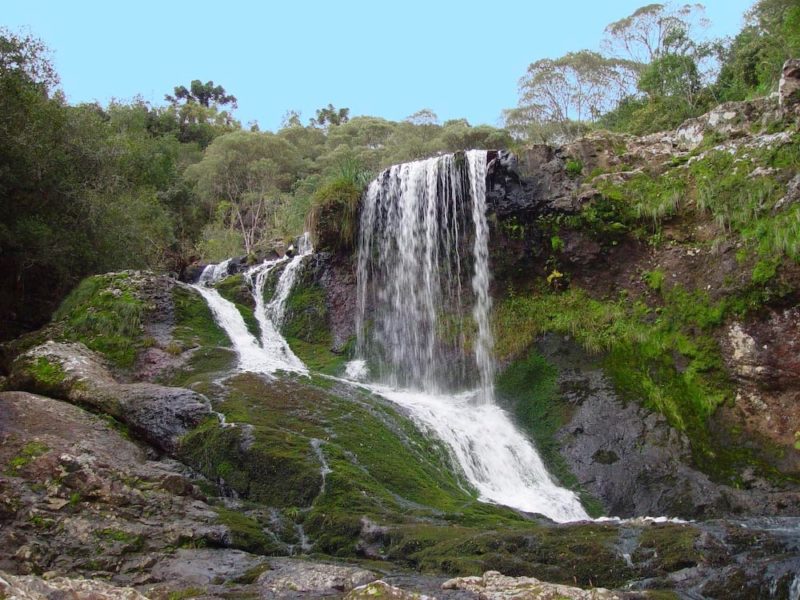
{"x": 460, "y": 58}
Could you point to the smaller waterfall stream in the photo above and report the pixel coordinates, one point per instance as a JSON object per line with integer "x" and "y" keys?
{"x": 270, "y": 353}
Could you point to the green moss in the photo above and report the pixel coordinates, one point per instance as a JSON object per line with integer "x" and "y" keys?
{"x": 29, "y": 452}
{"x": 106, "y": 313}
{"x": 529, "y": 387}
{"x": 247, "y": 534}
{"x": 48, "y": 375}
{"x": 668, "y": 547}
{"x": 576, "y": 554}
{"x": 194, "y": 322}
{"x": 190, "y": 592}
{"x": 665, "y": 358}
{"x": 573, "y": 168}
{"x": 306, "y": 314}
{"x": 133, "y": 542}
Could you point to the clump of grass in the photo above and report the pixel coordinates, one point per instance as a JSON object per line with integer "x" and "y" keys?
{"x": 333, "y": 217}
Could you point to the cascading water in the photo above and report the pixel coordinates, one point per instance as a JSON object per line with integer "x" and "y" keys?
{"x": 423, "y": 232}
{"x": 270, "y": 353}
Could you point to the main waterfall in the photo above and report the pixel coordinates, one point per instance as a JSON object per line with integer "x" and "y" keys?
{"x": 423, "y": 325}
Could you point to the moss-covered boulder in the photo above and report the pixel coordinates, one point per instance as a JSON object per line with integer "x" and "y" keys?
{"x": 159, "y": 414}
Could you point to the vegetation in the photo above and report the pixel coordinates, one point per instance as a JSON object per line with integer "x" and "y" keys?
{"x": 654, "y": 71}
{"x": 105, "y": 313}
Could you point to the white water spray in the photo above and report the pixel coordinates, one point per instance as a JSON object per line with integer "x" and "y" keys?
{"x": 416, "y": 224}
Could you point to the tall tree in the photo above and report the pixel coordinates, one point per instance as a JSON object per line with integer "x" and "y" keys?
{"x": 571, "y": 90}
{"x": 330, "y": 115}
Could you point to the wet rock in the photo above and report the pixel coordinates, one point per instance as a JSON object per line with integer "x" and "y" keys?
{"x": 631, "y": 460}
{"x": 303, "y": 579}
{"x": 35, "y": 588}
{"x": 205, "y": 567}
{"x": 496, "y": 586}
{"x": 70, "y": 371}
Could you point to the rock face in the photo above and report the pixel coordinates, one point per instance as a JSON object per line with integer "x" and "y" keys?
{"x": 764, "y": 356}
{"x": 75, "y": 495}
{"x": 789, "y": 88}
{"x": 631, "y": 460}
{"x": 160, "y": 414}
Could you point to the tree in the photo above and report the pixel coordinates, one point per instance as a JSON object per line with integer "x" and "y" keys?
{"x": 423, "y": 117}
{"x": 568, "y": 91}
{"x": 243, "y": 179}
{"x": 27, "y": 58}
{"x": 752, "y": 62}
{"x": 205, "y": 94}
{"x": 653, "y": 31}
{"x": 330, "y": 115}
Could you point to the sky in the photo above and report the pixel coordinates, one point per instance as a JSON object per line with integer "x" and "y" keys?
{"x": 460, "y": 58}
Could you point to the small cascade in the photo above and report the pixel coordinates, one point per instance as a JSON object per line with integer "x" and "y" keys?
{"x": 277, "y": 306}
{"x": 270, "y": 353}
{"x": 423, "y": 325}
{"x": 213, "y": 273}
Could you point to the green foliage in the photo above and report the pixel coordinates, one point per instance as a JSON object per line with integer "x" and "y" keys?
{"x": 752, "y": 64}
{"x": 247, "y": 534}
{"x": 47, "y": 373}
{"x": 655, "y": 279}
{"x": 105, "y": 313}
{"x": 573, "y": 168}
{"x": 333, "y": 218}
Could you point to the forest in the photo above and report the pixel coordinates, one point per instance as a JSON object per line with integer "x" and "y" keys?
{"x": 137, "y": 185}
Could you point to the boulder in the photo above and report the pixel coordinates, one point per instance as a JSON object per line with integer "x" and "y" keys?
{"x": 303, "y": 579}
{"x": 496, "y": 586}
{"x": 381, "y": 589}
{"x": 72, "y": 372}
{"x": 789, "y": 87}
{"x": 32, "y": 587}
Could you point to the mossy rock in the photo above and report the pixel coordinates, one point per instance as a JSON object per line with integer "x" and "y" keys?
{"x": 106, "y": 313}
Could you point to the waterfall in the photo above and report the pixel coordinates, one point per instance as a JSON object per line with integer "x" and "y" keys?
{"x": 413, "y": 258}
{"x": 423, "y": 235}
{"x": 270, "y": 353}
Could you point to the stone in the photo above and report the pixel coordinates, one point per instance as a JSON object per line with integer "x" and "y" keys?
{"x": 789, "y": 87}
{"x": 381, "y": 589}
{"x": 159, "y": 414}
{"x": 496, "y": 586}
{"x": 288, "y": 577}
{"x": 36, "y": 588}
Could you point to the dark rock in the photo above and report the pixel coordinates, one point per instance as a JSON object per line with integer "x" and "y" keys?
{"x": 631, "y": 460}
{"x": 191, "y": 273}
{"x": 160, "y": 414}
